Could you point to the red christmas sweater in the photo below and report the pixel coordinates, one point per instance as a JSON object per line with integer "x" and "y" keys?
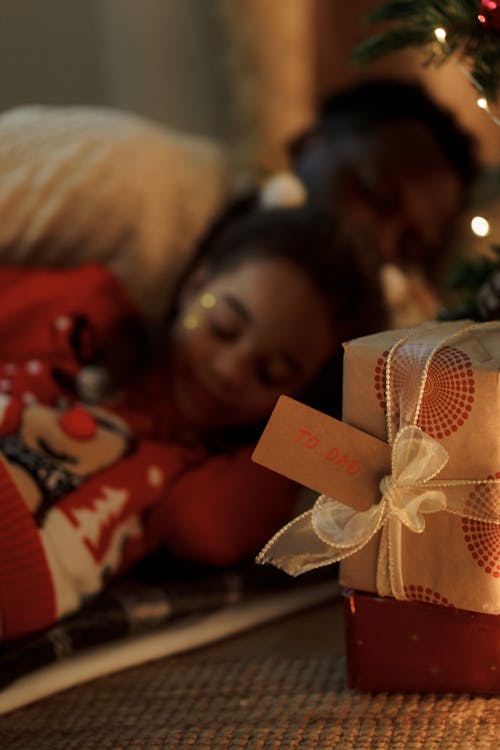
{"x": 84, "y": 491}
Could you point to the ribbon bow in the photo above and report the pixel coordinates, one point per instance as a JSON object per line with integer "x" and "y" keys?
{"x": 416, "y": 459}
{"x": 335, "y": 530}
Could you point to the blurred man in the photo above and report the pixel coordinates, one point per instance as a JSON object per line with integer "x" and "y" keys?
{"x": 394, "y": 168}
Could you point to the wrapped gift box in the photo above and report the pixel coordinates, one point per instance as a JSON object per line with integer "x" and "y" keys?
{"x": 410, "y": 504}
{"x": 454, "y": 368}
{"x": 420, "y": 647}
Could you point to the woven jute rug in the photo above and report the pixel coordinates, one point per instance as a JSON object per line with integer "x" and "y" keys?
{"x": 247, "y": 703}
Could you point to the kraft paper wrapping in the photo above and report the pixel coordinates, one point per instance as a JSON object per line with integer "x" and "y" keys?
{"x": 456, "y": 560}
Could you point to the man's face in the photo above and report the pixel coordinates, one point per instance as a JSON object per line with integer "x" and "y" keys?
{"x": 393, "y": 190}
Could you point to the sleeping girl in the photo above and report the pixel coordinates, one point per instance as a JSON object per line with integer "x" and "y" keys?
{"x": 161, "y": 458}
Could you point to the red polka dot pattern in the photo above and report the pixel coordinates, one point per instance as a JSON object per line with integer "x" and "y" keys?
{"x": 448, "y": 393}
{"x": 379, "y": 378}
{"x": 419, "y": 593}
{"x": 483, "y": 539}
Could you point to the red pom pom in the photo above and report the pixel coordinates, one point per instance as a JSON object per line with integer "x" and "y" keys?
{"x": 77, "y": 423}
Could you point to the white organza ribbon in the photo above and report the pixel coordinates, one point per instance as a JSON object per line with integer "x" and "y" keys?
{"x": 406, "y": 498}
{"x": 335, "y": 530}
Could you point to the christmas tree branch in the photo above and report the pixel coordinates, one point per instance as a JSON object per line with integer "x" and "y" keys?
{"x": 413, "y": 23}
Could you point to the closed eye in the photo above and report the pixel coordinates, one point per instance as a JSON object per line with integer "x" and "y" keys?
{"x": 412, "y": 246}
{"x": 224, "y": 332}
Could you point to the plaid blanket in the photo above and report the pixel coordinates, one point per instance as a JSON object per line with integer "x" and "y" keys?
{"x": 145, "y": 602}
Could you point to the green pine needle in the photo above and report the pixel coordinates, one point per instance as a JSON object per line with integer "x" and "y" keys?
{"x": 393, "y": 10}
{"x": 411, "y": 23}
{"x": 391, "y": 41}
{"x": 466, "y": 279}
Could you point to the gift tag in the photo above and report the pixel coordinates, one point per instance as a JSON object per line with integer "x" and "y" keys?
{"x": 323, "y": 453}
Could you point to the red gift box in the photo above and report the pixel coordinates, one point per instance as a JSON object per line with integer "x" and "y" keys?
{"x": 414, "y": 646}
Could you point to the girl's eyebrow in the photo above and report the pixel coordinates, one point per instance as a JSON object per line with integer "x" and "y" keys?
{"x": 237, "y": 306}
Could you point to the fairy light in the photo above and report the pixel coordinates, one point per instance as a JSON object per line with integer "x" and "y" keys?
{"x": 480, "y": 226}
{"x": 482, "y": 102}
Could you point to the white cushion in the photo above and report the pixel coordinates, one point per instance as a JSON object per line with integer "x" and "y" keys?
{"x": 85, "y": 183}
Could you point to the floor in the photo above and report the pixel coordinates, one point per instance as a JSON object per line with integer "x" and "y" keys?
{"x": 307, "y": 632}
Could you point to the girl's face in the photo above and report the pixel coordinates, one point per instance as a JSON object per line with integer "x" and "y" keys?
{"x": 244, "y": 337}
